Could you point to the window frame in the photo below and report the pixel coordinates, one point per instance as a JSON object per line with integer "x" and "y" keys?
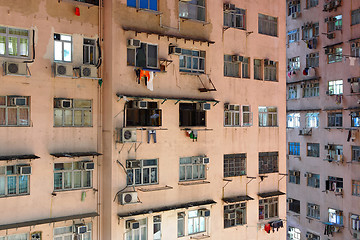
{"x": 138, "y": 5}
{"x": 294, "y": 148}
{"x": 271, "y": 25}
{"x": 7, "y": 106}
{"x": 139, "y": 173}
{"x": 71, "y": 232}
{"x": 313, "y": 181}
{"x": 63, "y": 42}
{"x": 334, "y": 25}
{"x": 294, "y": 205}
{"x": 195, "y": 163}
{"x": 311, "y": 3}
{"x": 335, "y": 119}
{"x": 8, "y": 35}
{"x": 231, "y": 68}
{"x": 294, "y": 176}
{"x": 235, "y": 165}
{"x": 132, "y": 53}
{"x": 271, "y": 71}
{"x": 189, "y": 5}
{"x": 15, "y": 174}
{"x": 312, "y": 60}
{"x": 355, "y": 188}
{"x": 258, "y": 69}
{"x": 294, "y": 118}
{"x": 338, "y": 214}
{"x": 230, "y": 115}
{"x": 265, "y": 116}
{"x": 312, "y": 120}
{"x": 138, "y": 117}
{"x": 266, "y": 205}
{"x": 73, "y": 109}
{"x": 268, "y": 162}
{"x": 336, "y": 87}
{"x": 230, "y": 18}
{"x": 310, "y": 152}
{"x": 293, "y": 36}
{"x": 185, "y": 54}
{"x": 313, "y": 211}
{"x": 192, "y": 112}
{"x": 355, "y": 17}
{"x": 240, "y": 212}
{"x": 91, "y": 49}
{"x": 355, "y": 153}
{"x": 336, "y": 56}
{"x": 311, "y": 89}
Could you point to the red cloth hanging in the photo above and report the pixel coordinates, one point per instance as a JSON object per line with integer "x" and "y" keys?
{"x": 267, "y": 228}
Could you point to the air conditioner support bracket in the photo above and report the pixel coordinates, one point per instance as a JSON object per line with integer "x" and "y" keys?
{"x": 205, "y": 89}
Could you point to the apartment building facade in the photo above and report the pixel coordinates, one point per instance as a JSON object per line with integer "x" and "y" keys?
{"x": 143, "y": 120}
{"x": 322, "y": 119}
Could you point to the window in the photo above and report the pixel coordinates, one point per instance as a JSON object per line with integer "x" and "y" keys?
{"x": 313, "y": 210}
{"x": 14, "y": 111}
{"x": 355, "y": 119}
{"x": 335, "y": 216}
{"x": 355, "y": 156}
{"x": 267, "y": 116}
{"x": 294, "y": 148}
{"x": 67, "y": 233}
{"x": 191, "y": 114}
{"x": 355, "y": 188}
{"x": 12, "y": 182}
{"x": 142, "y": 172}
{"x": 235, "y": 18}
{"x": 196, "y": 222}
{"x": 231, "y": 68}
{"x": 14, "y": 42}
{"x": 311, "y": 3}
{"x": 312, "y": 236}
{"x": 268, "y": 25}
{"x": 294, "y": 7}
{"x": 334, "y": 23}
{"x": 334, "y": 152}
{"x": 157, "y": 227}
{"x": 292, "y": 92}
{"x": 72, "y": 175}
{"x": 246, "y": 116}
{"x": 89, "y": 51}
{"x": 311, "y": 90}
{"x": 334, "y": 183}
{"x": 294, "y": 176}
{"x": 181, "y": 224}
{"x": 294, "y": 233}
{"x": 268, "y": 162}
{"x": 94, "y": 2}
{"x": 139, "y": 233}
{"x": 232, "y": 115}
{"x": 234, "y": 215}
{"x": 24, "y": 236}
{"x": 268, "y": 208}
{"x": 293, "y": 36}
{"x": 312, "y": 120}
{"x": 355, "y": 17}
{"x": 334, "y": 54}
{"x": 334, "y": 119}
{"x": 193, "y": 9}
{"x": 148, "y": 116}
{"x": 192, "y": 60}
{"x": 313, "y": 180}
{"x": 293, "y": 63}
{"x": 355, "y": 49}
{"x": 270, "y": 70}
{"x": 192, "y": 168}
{"x": 258, "y": 72}
{"x": 294, "y": 205}
{"x": 62, "y": 47}
{"x": 355, "y": 222}
{"x": 310, "y": 31}
{"x": 293, "y": 120}
{"x": 245, "y": 67}
{"x": 143, "y": 4}
{"x": 72, "y": 112}
{"x": 313, "y": 150}
{"x": 234, "y": 165}
{"x": 312, "y": 60}
{"x": 335, "y": 87}
{"x": 146, "y": 56}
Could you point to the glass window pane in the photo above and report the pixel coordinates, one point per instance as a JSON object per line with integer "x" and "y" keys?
{"x": 67, "y": 180}
{"x": 146, "y": 177}
{"x": 67, "y": 52}
{"x": 82, "y": 103}
{"x": 2, "y": 45}
{"x": 87, "y": 178}
{"x": 182, "y": 173}
{"x": 24, "y": 116}
{"x": 152, "y": 56}
{"x": 11, "y": 185}
{"x": 2, "y": 185}
{"x": 2, "y": 116}
{"x": 23, "y": 48}
{"x": 12, "y": 116}
{"x": 12, "y": 46}
{"x": 58, "y": 117}
{"x": 153, "y": 176}
{"x": 77, "y": 118}
{"x": 188, "y": 172}
{"x": 68, "y": 117}
{"x": 77, "y": 179}
{"x": 58, "y": 180}
{"x": 58, "y": 51}
{"x": 23, "y": 184}
{"x": 87, "y": 118}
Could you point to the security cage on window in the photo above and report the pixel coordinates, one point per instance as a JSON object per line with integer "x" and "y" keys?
{"x": 14, "y": 42}
{"x": 234, "y": 165}
{"x": 145, "y": 56}
{"x": 235, "y": 215}
{"x": 313, "y": 149}
{"x": 14, "y": 111}
{"x": 268, "y": 162}
{"x": 72, "y": 175}
{"x": 72, "y": 112}
{"x": 268, "y": 208}
{"x": 235, "y": 18}
{"x": 13, "y": 182}
{"x": 192, "y": 168}
{"x": 142, "y": 172}
{"x": 192, "y": 61}
{"x": 192, "y": 9}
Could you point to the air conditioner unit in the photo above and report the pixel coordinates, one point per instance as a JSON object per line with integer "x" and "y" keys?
{"x": 133, "y": 43}
{"x": 36, "y": 236}
{"x": 204, "y": 213}
{"x": 128, "y": 198}
{"x": 12, "y": 68}
{"x": 331, "y": 36}
{"x": 206, "y": 160}
{"x": 18, "y": 101}
{"x": 89, "y": 165}
{"x": 236, "y": 58}
{"x": 64, "y": 70}
{"x": 80, "y": 229}
{"x": 174, "y": 50}
{"x": 128, "y": 135}
{"x": 229, "y": 7}
{"x": 88, "y": 72}
{"x": 133, "y": 163}
{"x": 24, "y": 170}
{"x": 132, "y": 224}
{"x": 226, "y": 106}
{"x": 140, "y": 104}
{"x": 339, "y": 190}
{"x": 206, "y": 106}
{"x": 66, "y": 103}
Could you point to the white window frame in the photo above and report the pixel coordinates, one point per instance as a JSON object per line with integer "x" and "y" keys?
{"x": 231, "y": 16}
{"x": 69, "y": 231}
{"x": 355, "y": 222}
{"x": 293, "y": 36}
{"x": 293, "y": 120}
{"x": 335, "y": 24}
{"x": 270, "y": 71}
{"x": 334, "y": 215}
{"x": 335, "y": 87}
{"x": 246, "y": 110}
{"x": 231, "y": 114}
{"x": 264, "y": 115}
{"x": 186, "y": 57}
{"x": 336, "y": 56}
{"x": 311, "y": 89}
{"x": 186, "y": 6}
{"x": 236, "y": 214}
{"x": 139, "y": 171}
{"x": 258, "y": 69}
{"x": 200, "y": 167}
{"x": 312, "y": 60}
{"x": 313, "y": 181}
{"x": 73, "y": 110}
{"x": 157, "y": 225}
{"x": 5, "y": 176}
{"x": 91, "y": 49}
{"x": 133, "y": 52}
{"x": 294, "y": 63}
{"x": 313, "y": 210}
{"x": 294, "y": 233}
{"x": 312, "y": 120}
{"x": 267, "y": 204}
{"x": 231, "y": 68}
{"x": 63, "y": 42}
{"x": 130, "y": 234}
{"x": 292, "y": 92}
{"x": 7, "y": 35}
{"x": 7, "y": 106}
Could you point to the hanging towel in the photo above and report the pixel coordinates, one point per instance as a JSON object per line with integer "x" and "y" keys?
{"x": 150, "y": 83}
{"x": 311, "y": 71}
{"x": 352, "y": 61}
{"x": 267, "y": 228}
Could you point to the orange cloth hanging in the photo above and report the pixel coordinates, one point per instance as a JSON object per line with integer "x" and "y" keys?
{"x": 144, "y": 73}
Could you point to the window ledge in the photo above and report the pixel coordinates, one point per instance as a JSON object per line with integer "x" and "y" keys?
{"x": 192, "y": 73}
{"x": 152, "y": 189}
{"x": 15, "y": 195}
{"x": 71, "y": 190}
{"x": 202, "y": 236}
{"x": 189, "y": 183}
{"x": 149, "y": 11}
{"x": 263, "y": 221}
{"x": 194, "y": 20}
{"x": 268, "y": 126}
{"x": 73, "y": 126}
{"x": 329, "y": 128}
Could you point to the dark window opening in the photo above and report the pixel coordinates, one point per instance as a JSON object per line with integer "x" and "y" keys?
{"x": 191, "y": 114}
